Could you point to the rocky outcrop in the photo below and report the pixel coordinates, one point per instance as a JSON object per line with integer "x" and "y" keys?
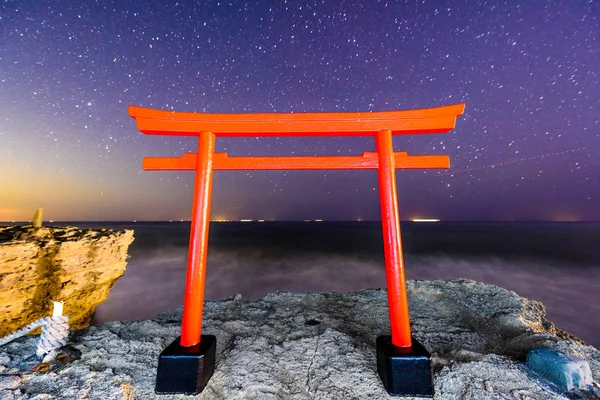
{"x": 316, "y": 346}
{"x": 57, "y": 263}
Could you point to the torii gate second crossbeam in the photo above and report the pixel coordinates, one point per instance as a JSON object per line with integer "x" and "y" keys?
{"x": 187, "y": 364}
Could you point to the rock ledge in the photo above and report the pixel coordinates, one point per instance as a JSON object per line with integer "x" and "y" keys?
{"x": 316, "y": 346}
{"x": 78, "y": 266}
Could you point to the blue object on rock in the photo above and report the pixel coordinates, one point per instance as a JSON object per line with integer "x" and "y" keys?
{"x": 565, "y": 371}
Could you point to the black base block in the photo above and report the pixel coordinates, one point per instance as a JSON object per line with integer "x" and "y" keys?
{"x": 186, "y": 370}
{"x": 404, "y": 371}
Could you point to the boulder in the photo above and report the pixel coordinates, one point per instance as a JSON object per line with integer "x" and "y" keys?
{"x": 57, "y": 263}
{"x": 316, "y": 346}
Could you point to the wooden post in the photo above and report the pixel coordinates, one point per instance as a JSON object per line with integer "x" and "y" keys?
{"x": 193, "y": 301}
{"x": 390, "y": 222}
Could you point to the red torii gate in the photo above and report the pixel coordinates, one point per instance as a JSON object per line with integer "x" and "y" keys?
{"x": 172, "y": 378}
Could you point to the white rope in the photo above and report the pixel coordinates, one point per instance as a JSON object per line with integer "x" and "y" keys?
{"x": 22, "y": 332}
{"x": 55, "y": 331}
{"x": 53, "y": 338}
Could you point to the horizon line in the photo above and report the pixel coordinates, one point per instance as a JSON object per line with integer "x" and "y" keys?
{"x": 246, "y": 221}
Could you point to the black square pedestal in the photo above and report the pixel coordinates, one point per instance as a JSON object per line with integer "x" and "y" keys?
{"x": 404, "y": 371}
{"x": 186, "y": 370}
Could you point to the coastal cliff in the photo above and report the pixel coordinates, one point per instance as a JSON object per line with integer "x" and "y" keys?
{"x": 77, "y": 266}
{"x": 317, "y": 346}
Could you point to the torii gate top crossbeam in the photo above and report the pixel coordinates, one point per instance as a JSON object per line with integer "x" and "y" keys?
{"x": 172, "y": 123}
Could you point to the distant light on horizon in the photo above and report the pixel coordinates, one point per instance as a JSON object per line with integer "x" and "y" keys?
{"x": 565, "y": 215}
{"x": 246, "y": 220}
{"x": 425, "y": 220}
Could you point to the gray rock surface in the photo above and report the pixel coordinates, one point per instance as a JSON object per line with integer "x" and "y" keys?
{"x": 478, "y": 334}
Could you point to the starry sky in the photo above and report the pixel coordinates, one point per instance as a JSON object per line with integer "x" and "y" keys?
{"x": 527, "y": 147}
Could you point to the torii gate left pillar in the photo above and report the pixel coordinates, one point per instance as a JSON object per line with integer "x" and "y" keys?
{"x": 403, "y": 364}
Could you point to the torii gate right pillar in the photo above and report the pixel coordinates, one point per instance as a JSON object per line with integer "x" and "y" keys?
{"x": 403, "y": 364}
{"x": 392, "y": 242}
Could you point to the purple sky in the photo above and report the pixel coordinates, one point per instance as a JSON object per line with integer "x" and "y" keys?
{"x": 527, "y": 147}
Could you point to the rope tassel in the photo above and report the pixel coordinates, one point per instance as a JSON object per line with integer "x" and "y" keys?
{"x": 55, "y": 332}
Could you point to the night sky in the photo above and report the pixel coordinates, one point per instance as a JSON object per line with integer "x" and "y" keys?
{"x": 527, "y": 147}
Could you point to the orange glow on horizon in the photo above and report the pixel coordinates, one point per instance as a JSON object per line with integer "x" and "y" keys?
{"x": 565, "y": 218}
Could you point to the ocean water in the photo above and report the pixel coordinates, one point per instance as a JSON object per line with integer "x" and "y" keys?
{"x": 555, "y": 263}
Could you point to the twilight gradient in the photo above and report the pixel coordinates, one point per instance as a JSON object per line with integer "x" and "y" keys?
{"x": 527, "y": 147}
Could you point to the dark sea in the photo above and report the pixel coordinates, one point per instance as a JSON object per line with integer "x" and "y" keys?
{"x": 555, "y": 263}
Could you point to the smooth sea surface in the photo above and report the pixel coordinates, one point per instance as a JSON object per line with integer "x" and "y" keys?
{"x": 555, "y": 263}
